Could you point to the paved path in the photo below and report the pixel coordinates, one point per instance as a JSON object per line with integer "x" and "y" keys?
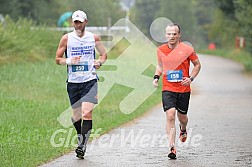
{"x": 220, "y": 120}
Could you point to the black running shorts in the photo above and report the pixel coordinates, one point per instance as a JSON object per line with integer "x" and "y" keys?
{"x": 82, "y": 92}
{"x": 179, "y": 101}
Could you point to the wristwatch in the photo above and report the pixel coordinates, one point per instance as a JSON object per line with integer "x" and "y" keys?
{"x": 191, "y": 78}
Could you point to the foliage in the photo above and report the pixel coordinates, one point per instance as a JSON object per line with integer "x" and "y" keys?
{"x": 227, "y": 7}
{"x": 184, "y": 13}
{"x": 243, "y": 13}
{"x": 39, "y": 11}
{"x": 99, "y": 11}
{"x": 202, "y": 21}
{"x": 204, "y": 11}
{"x": 48, "y": 11}
{"x": 221, "y": 31}
{"x": 144, "y": 13}
{"x": 232, "y": 18}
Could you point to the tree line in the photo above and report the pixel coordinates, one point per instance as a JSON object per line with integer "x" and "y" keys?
{"x": 202, "y": 21}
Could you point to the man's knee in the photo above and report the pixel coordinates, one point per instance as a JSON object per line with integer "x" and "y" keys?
{"x": 87, "y": 115}
{"x": 182, "y": 118}
{"x": 77, "y": 114}
{"x": 170, "y": 114}
{"x": 87, "y": 109}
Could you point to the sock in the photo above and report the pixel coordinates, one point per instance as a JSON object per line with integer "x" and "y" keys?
{"x": 85, "y": 131}
{"x": 181, "y": 129}
{"x": 77, "y": 125}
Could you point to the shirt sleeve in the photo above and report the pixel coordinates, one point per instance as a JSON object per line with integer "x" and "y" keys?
{"x": 159, "y": 53}
{"x": 193, "y": 56}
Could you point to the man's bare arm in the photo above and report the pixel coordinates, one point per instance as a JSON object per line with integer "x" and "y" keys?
{"x": 101, "y": 50}
{"x": 60, "y": 60}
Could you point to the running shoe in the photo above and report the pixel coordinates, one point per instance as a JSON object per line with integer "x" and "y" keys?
{"x": 182, "y": 135}
{"x": 80, "y": 152}
{"x": 172, "y": 154}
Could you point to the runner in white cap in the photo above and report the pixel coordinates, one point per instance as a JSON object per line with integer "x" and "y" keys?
{"x": 79, "y": 49}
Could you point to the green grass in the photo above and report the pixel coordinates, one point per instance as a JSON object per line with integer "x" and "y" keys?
{"x": 238, "y": 55}
{"x": 19, "y": 44}
{"x": 32, "y": 97}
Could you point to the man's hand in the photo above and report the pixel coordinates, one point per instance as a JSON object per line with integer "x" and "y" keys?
{"x": 155, "y": 83}
{"x": 73, "y": 60}
{"x": 97, "y": 64}
{"x": 186, "y": 81}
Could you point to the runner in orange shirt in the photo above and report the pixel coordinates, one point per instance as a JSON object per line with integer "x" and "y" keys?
{"x": 174, "y": 59}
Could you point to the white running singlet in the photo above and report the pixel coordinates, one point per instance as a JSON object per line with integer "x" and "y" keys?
{"x": 85, "y": 48}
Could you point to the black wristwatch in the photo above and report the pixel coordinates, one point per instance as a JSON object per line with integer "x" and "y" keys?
{"x": 191, "y": 78}
{"x": 156, "y": 77}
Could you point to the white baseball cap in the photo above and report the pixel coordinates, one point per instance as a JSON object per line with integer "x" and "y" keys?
{"x": 79, "y": 15}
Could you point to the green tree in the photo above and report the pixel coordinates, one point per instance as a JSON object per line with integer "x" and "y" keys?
{"x": 227, "y": 7}
{"x": 243, "y": 14}
{"x": 181, "y": 12}
{"x": 222, "y": 31}
{"x": 204, "y": 11}
{"x": 144, "y": 13}
{"x": 232, "y": 18}
{"x": 48, "y": 11}
{"x": 39, "y": 11}
{"x": 98, "y": 11}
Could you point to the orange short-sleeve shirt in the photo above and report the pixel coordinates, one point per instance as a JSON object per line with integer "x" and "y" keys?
{"x": 177, "y": 59}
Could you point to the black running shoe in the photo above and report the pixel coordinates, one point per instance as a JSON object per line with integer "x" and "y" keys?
{"x": 80, "y": 152}
{"x": 172, "y": 154}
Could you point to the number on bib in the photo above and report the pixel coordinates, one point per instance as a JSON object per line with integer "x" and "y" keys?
{"x": 80, "y": 68}
{"x": 174, "y": 75}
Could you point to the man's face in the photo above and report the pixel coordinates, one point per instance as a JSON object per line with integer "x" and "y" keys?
{"x": 172, "y": 34}
{"x": 79, "y": 26}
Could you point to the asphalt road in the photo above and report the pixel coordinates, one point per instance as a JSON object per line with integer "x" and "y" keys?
{"x": 220, "y": 133}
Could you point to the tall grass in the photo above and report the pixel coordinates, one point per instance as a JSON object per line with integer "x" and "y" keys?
{"x": 19, "y": 44}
